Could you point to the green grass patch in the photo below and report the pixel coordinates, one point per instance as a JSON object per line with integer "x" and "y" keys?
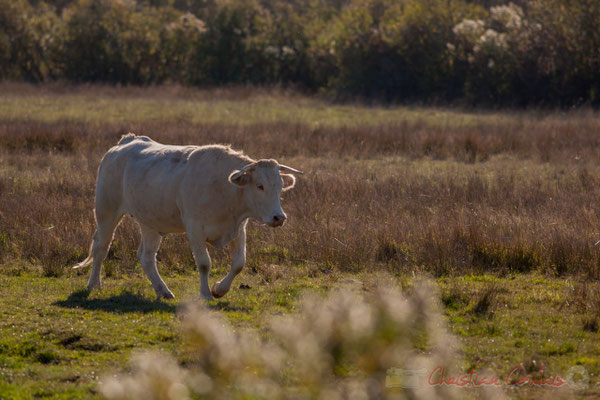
{"x": 259, "y": 109}
{"x": 57, "y": 339}
{"x": 534, "y": 323}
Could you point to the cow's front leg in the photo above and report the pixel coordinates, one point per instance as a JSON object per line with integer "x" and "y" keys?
{"x": 239, "y": 259}
{"x": 202, "y": 258}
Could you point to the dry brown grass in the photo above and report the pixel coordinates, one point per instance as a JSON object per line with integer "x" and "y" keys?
{"x": 515, "y": 196}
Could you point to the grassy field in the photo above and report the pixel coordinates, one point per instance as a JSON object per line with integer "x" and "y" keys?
{"x": 500, "y": 209}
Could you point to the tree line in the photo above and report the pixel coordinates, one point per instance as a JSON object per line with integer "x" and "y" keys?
{"x": 493, "y": 53}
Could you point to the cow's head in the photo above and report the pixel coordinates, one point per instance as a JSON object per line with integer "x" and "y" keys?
{"x": 263, "y": 183}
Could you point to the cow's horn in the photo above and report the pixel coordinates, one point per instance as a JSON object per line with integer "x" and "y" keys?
{"x": 242, "y": 170}
{"x": 290, "y": 169}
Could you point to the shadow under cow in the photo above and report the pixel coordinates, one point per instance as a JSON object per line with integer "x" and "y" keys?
{"x": 125, "y": 302}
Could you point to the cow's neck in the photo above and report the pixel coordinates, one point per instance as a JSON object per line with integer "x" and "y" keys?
{"x": 232, "y": 231}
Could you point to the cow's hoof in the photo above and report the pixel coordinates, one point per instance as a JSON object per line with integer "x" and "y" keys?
{"x": 94, "y": 285}
{"x": 166, "y": 295}
{"x": 207, "y": 298}
{"x": 215, "y": 292}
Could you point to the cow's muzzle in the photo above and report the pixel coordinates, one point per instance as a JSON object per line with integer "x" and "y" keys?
{"x": 277, "y": 220}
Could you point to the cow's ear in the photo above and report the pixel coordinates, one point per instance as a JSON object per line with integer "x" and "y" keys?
{"x": 288, "y": 181}
{"x": 240, "y": 179}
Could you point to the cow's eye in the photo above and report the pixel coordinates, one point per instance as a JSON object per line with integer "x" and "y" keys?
{"x": 260, "y": 187}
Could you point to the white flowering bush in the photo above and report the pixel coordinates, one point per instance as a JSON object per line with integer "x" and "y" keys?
{"x": 500, "y": 32}
{"x": 469, "y": 29}
{"x": 340, "y": 347}
{"x": 493, "y": 49}
{"x": 491, "y": 41}
{"x": 508, "y": 17}
{"x": 187, "y": 23}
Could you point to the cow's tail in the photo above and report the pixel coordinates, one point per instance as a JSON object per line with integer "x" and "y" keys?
{"x": 88, "y": 260}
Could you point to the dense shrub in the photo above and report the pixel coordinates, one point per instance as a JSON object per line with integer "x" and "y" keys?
{"x": 27, "y": 40}
{"x": 180, "y": 43}
{"x": 397, "y": 50}
{"x": 113, "y": 41}
{"x": 340, "y": 347}
{"x": 541, "y": 54}
{"x": 487, "y": 52}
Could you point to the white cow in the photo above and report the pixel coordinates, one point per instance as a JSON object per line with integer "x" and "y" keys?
{"x": 209, "y": 192}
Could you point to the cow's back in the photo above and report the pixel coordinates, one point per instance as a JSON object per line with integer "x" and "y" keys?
{"x": 157, "y": 183}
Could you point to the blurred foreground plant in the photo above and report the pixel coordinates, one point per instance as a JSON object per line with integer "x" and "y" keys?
{"x": 341, "y": 347}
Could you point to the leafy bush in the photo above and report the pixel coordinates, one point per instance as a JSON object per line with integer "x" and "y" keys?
{"x": 180, "y": 42}
{"x": 27, "y": 40}
{"x": 111, "y": 41}
{"x": 541, "y": 56}
{"x": 224, "y": 56}
{"x": 396, "y": 50}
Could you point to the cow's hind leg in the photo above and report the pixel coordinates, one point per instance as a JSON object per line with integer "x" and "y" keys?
{"x": 221, "y": 288}
{"x": 100, "y": 244}
{"x": 149, "y": 246}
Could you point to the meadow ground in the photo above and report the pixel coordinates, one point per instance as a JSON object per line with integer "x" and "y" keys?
{"x": 500, "y": 209}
